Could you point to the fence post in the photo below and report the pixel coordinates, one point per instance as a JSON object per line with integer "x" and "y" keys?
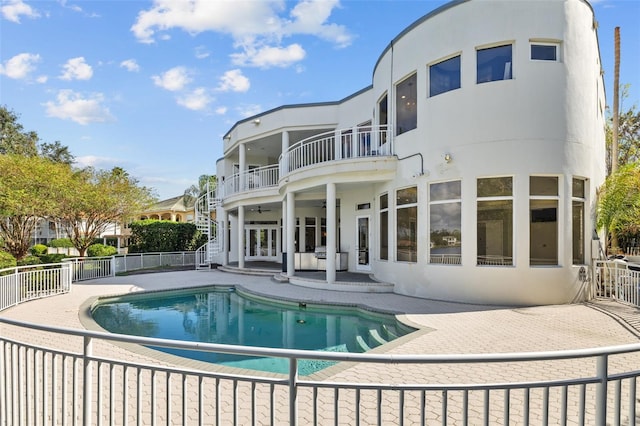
{"x": 293, "y": 391}
{"x": 113, "y": 266}
{"x": 87, "y": 381}
{"x": 601, "y": 390}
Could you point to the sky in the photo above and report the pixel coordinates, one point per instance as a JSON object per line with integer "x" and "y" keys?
{"x": 152, "y": 86}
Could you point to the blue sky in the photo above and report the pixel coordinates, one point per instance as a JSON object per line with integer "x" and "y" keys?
{"x": 152, "y": 86}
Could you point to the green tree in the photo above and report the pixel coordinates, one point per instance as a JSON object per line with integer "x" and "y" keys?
{"x": 628, "y": 133}
{"x": 13, "y": 138}
{"x": 205, "y": 182}
{"x": 618, "y": 209}
{"x": 57, "y": 153}
{"x": 30, "y": 187}
{"x": 97, "y": 199}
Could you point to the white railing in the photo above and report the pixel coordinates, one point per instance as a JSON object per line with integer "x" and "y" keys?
{"x": 446, "y": 259}
{"x": 24, "y": 283}
{"x": 356, "y": 142}
{"x": 82, "y": 380}
{"x": 618, "y": 280}
{"x": 254, "y": 179}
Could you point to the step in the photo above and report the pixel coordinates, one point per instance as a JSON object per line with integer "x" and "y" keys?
{"x": 377, "y": 337}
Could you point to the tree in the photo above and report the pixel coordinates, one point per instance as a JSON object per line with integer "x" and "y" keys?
{"x": 13, "y": 138}
{"x": 97, "y": 199}
{"x": 205, "y": 183}
{"x": 618, "y": 209}
{"x": 57, "y": 153}
{"x": 628, "y": 133}
{"x": 29, "y": 189}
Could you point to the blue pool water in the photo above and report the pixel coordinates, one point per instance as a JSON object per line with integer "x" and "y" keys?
{"x": 216, "y": 315}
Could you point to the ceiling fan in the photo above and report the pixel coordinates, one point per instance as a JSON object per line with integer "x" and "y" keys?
{"x": 260, "y": 210}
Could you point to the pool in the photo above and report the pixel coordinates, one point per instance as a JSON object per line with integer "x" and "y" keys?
{"x": 222, "y": 315}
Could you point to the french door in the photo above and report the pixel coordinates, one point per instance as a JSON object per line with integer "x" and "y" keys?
{"x": 262, "y": 243}
{"x": 363, "y": 240}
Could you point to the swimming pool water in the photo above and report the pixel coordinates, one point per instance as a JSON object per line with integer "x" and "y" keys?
{"x": 215, "y": 315}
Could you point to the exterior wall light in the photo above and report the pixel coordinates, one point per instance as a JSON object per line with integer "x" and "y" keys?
{"x": 447, "y": 158}
{"x": 256, "y": 121}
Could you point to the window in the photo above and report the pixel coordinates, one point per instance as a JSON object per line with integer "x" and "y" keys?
{"x": 494, "y": 63}
{"x": 444, "y": 76}
{"x": 543, "y": 220}
{"x": 445, "y": 223}
{"x": 544, "y": 52}
{"x": 384, "y": 227}
{"x": 406, "y": 105}
{"x": 577, "y": 220}
{"x": 309, "y": 234}
{"x": 495, "y": 221}
{"x": 407, "y": 224}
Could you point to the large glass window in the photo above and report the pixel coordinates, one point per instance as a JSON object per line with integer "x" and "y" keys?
{"x": 543, "y": 220}
{"x": 407, "y": 225}
{"x": 577, "y": 220}
{"x": 494, "y": 63}
{"x": 406, "y": 105}
{"x": 309, "y": 234}
{"x": 445, "y": 223}
{"x": 444, "y": 76}
{"x": 495, "y": 221}
{"x": 384, "y": 227}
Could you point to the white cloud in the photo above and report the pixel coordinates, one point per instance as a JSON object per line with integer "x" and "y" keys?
{"x": 197, "y": 100}
{"x": 173, "y": 80}
{"x": 42, "y": 79}
{"x": 20, "y": 66}
{"x": 76, "y": 69}
{"x": 234, "y": 81}
{"x": 73, "y": 106}
{"x": 266, "y": 57}
{"x": 310, "y": 17}
{"x": 130, "y": 65}
{"x": 257, "y": 27}
{"x": 249, "y": 110}
{"x": 16, "y": 8}
{"x": 221, "y": 110}
{"x": 202, "y": 52}
{"x": 97, "y": 162}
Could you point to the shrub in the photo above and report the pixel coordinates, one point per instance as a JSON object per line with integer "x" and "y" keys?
{"x": 100, "y": 250}
{"x": 149, "y": 236}
{"x": 7, "y": 260}
{"x": 39, "y": 250}
{"x": 53, "y": 257}
{"x": 61, "y": 242}
{"x": 29, "y": 260}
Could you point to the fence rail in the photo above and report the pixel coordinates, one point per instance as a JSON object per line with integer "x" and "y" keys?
{"x": 617, "y": 279}
{"x": 78, "y": 378}
{"x": 86, "y": 386}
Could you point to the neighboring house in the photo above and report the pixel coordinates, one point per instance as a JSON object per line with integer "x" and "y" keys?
{"x": 484, "y": 120}
{"x": 175, "y": 209}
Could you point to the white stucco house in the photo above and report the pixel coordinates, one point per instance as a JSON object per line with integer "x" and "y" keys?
{"x": 466, "y": 171}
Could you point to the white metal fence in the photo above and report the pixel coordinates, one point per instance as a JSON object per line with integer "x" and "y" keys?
{"x": 258, "y": 178}
{"x": 24, "y": 283}
{"x": 84, "y": 383}
{"x": 73, "y": 376}
{"x": 617, "y": 279}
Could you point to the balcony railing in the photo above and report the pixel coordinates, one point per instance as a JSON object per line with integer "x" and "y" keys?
{"x": 260, "y": 178}
{"x": 342, "y": 144}
{"x": 618, "y": 280}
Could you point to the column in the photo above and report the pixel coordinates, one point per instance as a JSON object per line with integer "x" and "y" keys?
{"x": 291, "y": 233}
{"x": 283, "y": 242}
{"x": 223, "y": 235}
{"x": 241, "y": 237}
{"x": 331, "y": 233}
{"x": 284, "y": 148}
{"x": 242, "y": 154}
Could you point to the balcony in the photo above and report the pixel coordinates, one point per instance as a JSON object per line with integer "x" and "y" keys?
{"x": 250, "y": 180}
{"x": 341, "y": 144}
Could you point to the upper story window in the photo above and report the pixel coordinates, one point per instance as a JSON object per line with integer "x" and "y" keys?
{"x": 406, "y": 105}
{"x": 444, "y": 76}
{"x": 495, "y": 63}
{"x": 544, "y": 51}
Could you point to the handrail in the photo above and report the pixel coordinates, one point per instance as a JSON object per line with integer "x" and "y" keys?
{"x": 254, "y": 179}
{"x": 340, "y": 144}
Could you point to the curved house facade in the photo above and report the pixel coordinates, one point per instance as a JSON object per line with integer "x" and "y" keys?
{"x": 466, "y": 171}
